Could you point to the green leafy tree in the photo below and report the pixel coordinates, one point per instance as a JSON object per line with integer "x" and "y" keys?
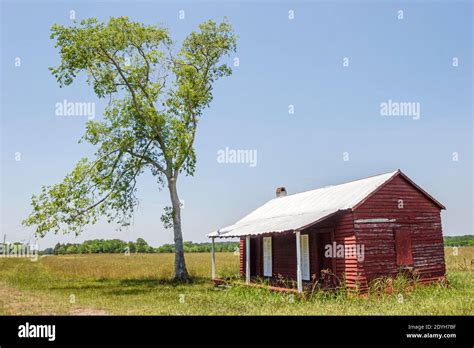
{"x": 132, "y": 247}
{"x": 157, "y": 94}
{"x": 141, "y": 245}
{"x": 71, "y": 249}
{"x": 59, "y": 249}
{"x": 165, "y": 248}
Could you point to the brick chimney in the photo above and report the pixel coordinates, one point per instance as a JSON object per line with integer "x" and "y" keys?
{"x": 280, "y": 192}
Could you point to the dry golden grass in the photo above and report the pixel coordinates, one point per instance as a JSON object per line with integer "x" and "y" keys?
{"x": 139, "y": 284}
{"x": 137, "y": 266}
{"x": 459, "y": 258}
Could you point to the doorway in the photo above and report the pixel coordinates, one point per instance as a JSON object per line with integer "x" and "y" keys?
{"x": 403, "y": 247}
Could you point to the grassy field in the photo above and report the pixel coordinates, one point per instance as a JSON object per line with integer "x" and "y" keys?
{"x": 139, "y": 285}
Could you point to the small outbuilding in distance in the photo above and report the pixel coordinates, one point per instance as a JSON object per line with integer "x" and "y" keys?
{"x": 357, "y": 231}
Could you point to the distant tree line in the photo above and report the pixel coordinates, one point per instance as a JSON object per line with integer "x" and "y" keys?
{"x": 97, "y": 246}
{"x": 190, "y": 247}
{"x": 467, "y": 240}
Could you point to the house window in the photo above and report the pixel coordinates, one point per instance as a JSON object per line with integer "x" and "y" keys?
{"x": 403, "y": 247}
{"x": 267, "y": 256}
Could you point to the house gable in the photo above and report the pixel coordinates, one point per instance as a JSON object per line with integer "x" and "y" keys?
{"x": 399, "y": 204}
{"x": 400, "y": 179}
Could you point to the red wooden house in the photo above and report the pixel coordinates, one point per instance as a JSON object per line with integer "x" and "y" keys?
{"x": 359, "y": 231}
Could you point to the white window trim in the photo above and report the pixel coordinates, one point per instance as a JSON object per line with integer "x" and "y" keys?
{"x": 267, "y": 257}
{"x": 305, "y": 263}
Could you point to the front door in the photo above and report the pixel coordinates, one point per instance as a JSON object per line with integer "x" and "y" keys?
{"x": 325, "y": 262}
{"x": 254, "y": 257}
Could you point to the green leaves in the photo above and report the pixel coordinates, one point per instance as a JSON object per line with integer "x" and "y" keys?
{"x": 167, "y": 217}
{"x": 156, "y": 98}
{"x": 105, "y": 187}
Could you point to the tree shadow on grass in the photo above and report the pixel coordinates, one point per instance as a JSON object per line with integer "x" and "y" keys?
{"x": 129, "y": 286}
{"x": 155, "y": 282}
{"x": 145, "y": 285}
{"x": 79, "y": 287}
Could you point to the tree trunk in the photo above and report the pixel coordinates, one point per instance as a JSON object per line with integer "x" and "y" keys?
{"x": 180, "y": 271}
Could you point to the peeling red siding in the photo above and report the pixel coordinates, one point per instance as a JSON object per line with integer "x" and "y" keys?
{"x": 344, "y": 234}
{"x": 398, "y": 200}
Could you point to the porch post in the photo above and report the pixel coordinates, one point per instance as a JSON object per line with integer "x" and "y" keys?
{"x": 213, "y": 260}
{"x": 247, "y": 259}
{"x": 298, "y": 262}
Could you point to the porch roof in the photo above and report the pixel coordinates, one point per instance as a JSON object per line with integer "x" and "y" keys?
{"x": 301, "y": 210}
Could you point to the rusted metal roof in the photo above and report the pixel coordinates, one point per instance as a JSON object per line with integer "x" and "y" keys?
{"x": 300, "y": 210}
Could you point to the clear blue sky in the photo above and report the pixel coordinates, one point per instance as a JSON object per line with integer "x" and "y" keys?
{"x": 282, "y": 62}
